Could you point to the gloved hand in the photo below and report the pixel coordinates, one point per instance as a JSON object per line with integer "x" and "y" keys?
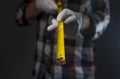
{"x": 48, "y": 6}
{"x": 70, "y": 20}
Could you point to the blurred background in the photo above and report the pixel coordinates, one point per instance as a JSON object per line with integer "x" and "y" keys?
{"x": 17, "y": 45}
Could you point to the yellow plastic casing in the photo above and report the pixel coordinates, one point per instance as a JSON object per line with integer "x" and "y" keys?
{"x": 60, "y": 55}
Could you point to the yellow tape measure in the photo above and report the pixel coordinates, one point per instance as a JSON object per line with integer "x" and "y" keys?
{"x": 60, "y": 55}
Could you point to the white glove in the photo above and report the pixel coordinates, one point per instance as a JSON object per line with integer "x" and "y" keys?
{"x": 48, "y": 6}
{"x": 70, "y": 20}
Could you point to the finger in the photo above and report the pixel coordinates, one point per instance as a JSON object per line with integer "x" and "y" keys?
{"x": 53, "y": 26}
{"x": 61, "y": 16}
{"x": 53, "y": 5}
{"x": 64, "y": 14}
{"x": 54, "y": 21}
{"x": 70, "y": 19}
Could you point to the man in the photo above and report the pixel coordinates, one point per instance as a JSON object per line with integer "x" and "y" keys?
{"x": 84, "y": 21}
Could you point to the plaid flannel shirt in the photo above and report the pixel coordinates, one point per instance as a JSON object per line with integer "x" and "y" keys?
{"x": 79, "y": 51}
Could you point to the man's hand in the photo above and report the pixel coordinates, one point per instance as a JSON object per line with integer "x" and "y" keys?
{"x": 48, "y": 6}
{"x": 68, "y": 16}
{"x": 70, "y": 20}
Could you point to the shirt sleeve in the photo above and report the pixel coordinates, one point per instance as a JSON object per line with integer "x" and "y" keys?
{"x": 20, "y": 14}
{"x": 99, "y": 15}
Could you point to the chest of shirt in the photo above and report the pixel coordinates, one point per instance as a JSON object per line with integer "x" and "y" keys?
{"x": 77, "y": 5}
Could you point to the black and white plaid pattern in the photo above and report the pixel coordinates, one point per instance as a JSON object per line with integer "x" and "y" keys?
{"x": 79, "y": 51}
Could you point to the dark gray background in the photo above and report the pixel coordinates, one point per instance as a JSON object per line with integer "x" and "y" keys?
{"x": 17, "y": 45}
